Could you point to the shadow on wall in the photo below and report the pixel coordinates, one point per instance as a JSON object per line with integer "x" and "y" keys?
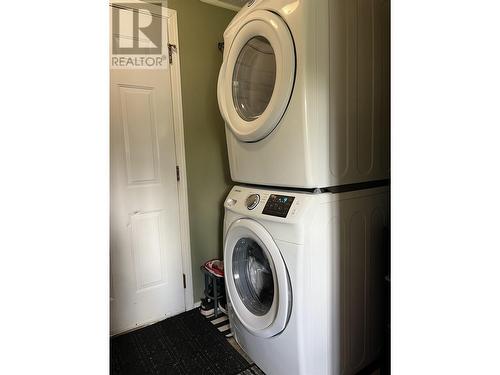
{"x": 201, "y": 27}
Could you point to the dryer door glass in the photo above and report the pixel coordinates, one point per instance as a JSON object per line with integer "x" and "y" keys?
{"x": 254, "y": 78}
{"x": 253, "y": 276}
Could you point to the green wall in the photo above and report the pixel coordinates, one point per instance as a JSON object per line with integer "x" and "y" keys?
{"x": 200, "y": 29}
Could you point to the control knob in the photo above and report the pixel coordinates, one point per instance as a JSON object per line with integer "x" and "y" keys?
{"x": 252, "y": 201}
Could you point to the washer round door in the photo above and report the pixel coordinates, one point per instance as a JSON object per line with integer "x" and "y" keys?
{"x": 257, "y": 76}
{"x": 257, "y": 280}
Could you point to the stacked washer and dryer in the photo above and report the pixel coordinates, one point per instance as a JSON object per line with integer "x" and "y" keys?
{"x": 304, "y": 92}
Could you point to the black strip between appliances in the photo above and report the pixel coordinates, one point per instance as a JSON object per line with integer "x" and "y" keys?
{"x": 331, "y": 189}
{"x": 358, "y": 186}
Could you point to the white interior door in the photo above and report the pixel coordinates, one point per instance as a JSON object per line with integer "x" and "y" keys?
{"x": 146, "y": 258}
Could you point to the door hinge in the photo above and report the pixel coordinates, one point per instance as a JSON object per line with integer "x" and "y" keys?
{"x": 184, "y": 280}
{"x": 177, "y": 173}
{"x": 171, "y": 49}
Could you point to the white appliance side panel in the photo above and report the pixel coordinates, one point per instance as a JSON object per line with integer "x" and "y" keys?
{"x": 359, "y": 90}
{"x": 364, "y": 220}
{"x": 355, "y": 280}
{"x": 377, "y": 254}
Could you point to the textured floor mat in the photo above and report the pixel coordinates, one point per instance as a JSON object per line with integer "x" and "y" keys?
{"x": 184, "y": 344}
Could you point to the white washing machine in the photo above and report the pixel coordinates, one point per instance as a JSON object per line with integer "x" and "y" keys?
{"x": 304, "y": 277}
{"x": 304, "y": 92}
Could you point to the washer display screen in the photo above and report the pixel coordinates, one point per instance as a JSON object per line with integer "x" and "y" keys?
{"x": 278, "y": 205}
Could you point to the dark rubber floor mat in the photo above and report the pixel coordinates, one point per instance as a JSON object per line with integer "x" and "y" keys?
{"x": 184, "y": 344}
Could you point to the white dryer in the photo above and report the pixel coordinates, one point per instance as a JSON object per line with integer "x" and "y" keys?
{"x": 304, "y": 92}
{"x": 304, "y": 277}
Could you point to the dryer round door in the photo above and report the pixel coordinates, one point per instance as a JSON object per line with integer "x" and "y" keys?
{"x": 256, "y": 277}
{"x": 257, "y": 76}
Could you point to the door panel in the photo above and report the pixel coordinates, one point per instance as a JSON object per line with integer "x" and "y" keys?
{"x": 141, "y": 138}
{"x": 147, "y": 248}
{"x": 145, "y": 245}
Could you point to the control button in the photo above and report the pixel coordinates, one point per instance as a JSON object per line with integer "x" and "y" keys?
{"x": 252, "y": 201}
{"x": 231, "y": 202}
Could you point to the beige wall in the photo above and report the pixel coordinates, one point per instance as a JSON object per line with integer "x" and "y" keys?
{"x": 200, "y": 29}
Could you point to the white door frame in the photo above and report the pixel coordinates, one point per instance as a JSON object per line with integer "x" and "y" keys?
{"x": 171, "y": 37}
{"x": 175, "y": 79}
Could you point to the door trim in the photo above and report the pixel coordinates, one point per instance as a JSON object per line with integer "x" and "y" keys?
{"x": 175, "y": 79}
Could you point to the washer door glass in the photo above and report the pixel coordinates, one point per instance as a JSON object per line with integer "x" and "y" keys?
{"x": 253, "y": 276}
{"x": 254, "y": 77}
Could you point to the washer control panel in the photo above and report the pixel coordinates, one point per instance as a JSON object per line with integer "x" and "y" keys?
{"x": 274, "y": 205}
{"x": 278, "y": 205}
{"x": 252, "y": 201}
